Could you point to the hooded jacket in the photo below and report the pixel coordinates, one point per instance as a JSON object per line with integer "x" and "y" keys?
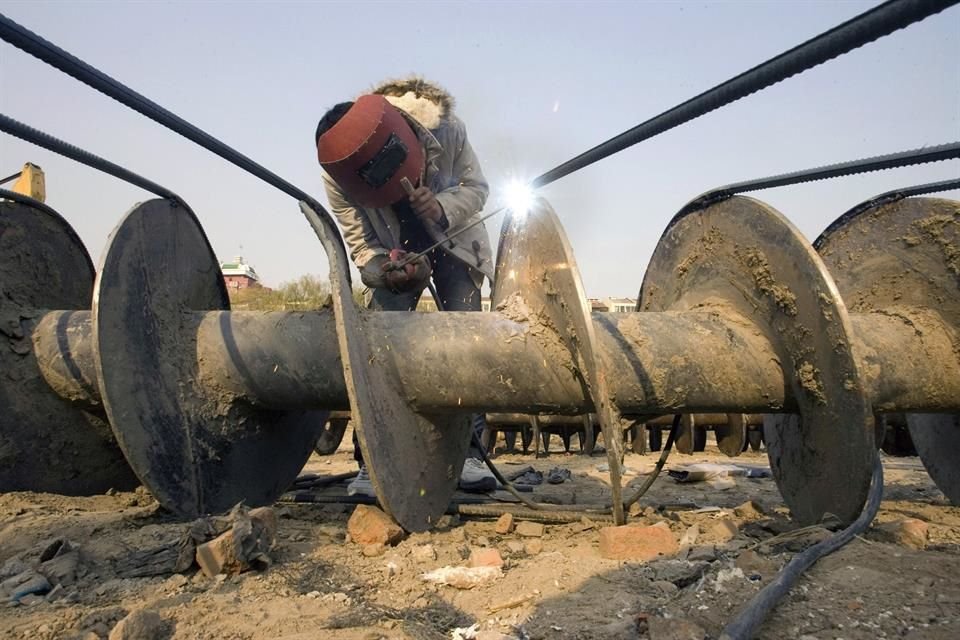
{"x": 452, "y": 173}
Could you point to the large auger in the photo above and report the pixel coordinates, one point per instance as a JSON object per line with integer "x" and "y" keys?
{"x": 210, "y": 407}
{"x": 739, "y": 315}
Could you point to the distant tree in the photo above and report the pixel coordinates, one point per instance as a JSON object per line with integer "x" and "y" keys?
{"x": 255, "y": 299}
{"x": 305, "y": 293}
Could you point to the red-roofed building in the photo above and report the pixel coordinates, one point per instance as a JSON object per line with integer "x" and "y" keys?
{"x": 239, "y": 275}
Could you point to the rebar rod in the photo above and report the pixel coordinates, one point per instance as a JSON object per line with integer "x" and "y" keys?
{"x": 852, "y": 34}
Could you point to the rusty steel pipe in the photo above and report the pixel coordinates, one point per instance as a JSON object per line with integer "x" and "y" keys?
{"x": 289, "y": 360}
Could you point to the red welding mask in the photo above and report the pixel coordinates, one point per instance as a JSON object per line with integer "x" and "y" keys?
{"x": 369, "y": 150}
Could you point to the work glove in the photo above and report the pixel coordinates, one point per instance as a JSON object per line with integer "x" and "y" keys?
{"x": 384, "y": 272}
{"x": 425, "y": 204}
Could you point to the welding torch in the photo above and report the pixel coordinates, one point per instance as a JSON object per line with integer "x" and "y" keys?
{"x": 411, "y": 257}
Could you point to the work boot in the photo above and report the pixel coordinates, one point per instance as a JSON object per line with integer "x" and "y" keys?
{"x": 361, "y": 485}
{"x": 476, "y": 477}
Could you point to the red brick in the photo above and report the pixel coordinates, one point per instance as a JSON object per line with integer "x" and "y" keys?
{"x": 485, "y": 558}
{"x": 630, "y": 542}
{"x": 910, "y": 532}
{"x": 370, "y": 525}
{"x": 226, "y": 554}
{"x": 219, "y": 556}
{"x": 530, "y": 529}
{"x": 505, "y": 524}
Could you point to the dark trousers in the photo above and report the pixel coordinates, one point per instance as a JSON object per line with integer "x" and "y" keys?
{"x": 457, "y": 292}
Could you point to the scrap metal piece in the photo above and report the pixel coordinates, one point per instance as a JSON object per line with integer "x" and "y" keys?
{"x": 198, "y": 449}
{"x": 538, "y": 282}
{"x": 902, "y": 260}
{"x": 47, "y": 442}
{"x": 745, "y": 260}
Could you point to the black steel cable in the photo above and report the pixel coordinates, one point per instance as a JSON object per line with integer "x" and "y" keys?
{"x": 852, "y": 34}
{"x": 744, "y": 626}
{"x": 674, "y": 428}
{"x": 24, "y": 39}
{"x": 887, "y": 197}
{"x": 475, "y": 440}
{"x": 923, "y": 155}
{"x": 29, "y": 134}
{"x": 12, "y": 177}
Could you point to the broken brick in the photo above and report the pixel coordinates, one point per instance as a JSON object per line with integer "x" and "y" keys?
{"x": 530, "y": 529}
{"x": 505, "y": 524}
{"x": 909, "y": 532}
{"x": 632, "y": 542}
{"x": 370, "y": 525}
{"x": 485, "y": 557}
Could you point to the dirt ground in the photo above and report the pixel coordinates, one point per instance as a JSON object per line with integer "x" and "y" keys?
{"x": 322, "y": 586}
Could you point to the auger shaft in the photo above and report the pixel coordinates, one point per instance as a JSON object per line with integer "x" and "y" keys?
{"x": 289, "y": 360}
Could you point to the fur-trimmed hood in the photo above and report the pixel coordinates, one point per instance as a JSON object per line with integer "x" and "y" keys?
{"x": 424, "y": 101}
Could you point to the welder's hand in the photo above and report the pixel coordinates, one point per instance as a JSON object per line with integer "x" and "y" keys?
{"x": 425, "y": 204}
{"x": 384, "y": 272}
{"x": 373, "y": 274}
{"x": 410, "y": 277}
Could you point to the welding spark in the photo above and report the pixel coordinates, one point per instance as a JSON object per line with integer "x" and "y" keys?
{"x": 519, "y": 197}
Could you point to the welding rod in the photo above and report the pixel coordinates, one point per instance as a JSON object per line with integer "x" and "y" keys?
{"x": 416, "y": 256}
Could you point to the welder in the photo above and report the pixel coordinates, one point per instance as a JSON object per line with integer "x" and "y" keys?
{"x": 405, "y": 134}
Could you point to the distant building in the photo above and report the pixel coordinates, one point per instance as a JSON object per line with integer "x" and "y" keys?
{"x": 239, "y": 275}
{"x": 596, "y": 304}
{"x": 614, "y": 305}
{"x": 621, "y": 305}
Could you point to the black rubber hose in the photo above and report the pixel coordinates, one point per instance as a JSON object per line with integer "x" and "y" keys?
{"x": 745, "y": 625}
{"x": 656, "y": 470}
{"x": 499, "y": 476}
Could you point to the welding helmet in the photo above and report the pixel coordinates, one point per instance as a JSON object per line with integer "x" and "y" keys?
{"x": 369, "y": 150}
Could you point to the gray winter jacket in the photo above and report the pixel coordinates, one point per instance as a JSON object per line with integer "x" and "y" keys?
{"x": 452, "y": 173}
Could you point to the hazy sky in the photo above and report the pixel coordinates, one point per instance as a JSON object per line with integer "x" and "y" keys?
{"x": 536, "y": 83}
